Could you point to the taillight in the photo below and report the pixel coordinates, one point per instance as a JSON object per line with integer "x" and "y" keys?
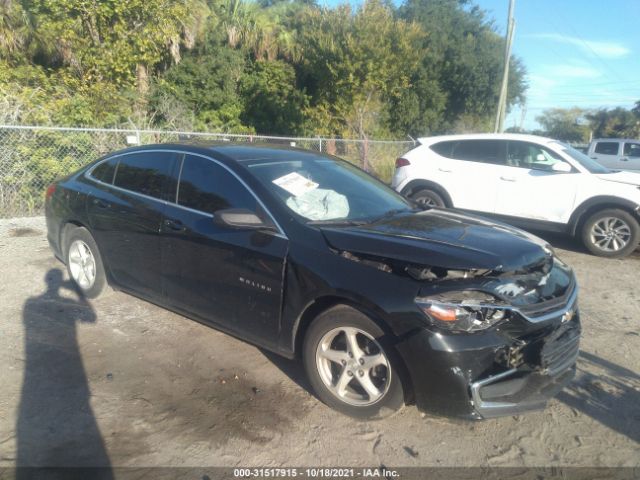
{"x": 402, "y": 162}
{"x": 51, "y": 189}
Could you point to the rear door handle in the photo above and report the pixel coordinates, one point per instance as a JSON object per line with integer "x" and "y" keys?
{"x": 175, "y": 225}
{"x": 508, "y": 179}
{"x": 101, "y": 203}
{"x": 444, "y": 170}
{"x": 624, "y": 159}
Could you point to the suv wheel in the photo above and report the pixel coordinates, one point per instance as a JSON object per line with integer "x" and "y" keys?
{"x": 348, "y": 366}
{"x": 611, "y": 233}
{"x": 428, "y": 198}
{"x": 84, "y": 263}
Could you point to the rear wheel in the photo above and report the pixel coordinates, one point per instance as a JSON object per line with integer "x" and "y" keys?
{"x": 611, "y": 233}
{"x": 428, "y": 198}
{"x": 84, "y": 263}
{"x": 348, "y": 366}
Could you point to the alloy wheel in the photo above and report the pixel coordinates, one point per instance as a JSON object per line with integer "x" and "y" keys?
{"x": 353, "y": 366}
{"x": 82, "y": 264}
{"x": 610, "y": 234}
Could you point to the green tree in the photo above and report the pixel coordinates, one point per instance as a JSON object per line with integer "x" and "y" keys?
{"x": 272, "y": 103}
{"x": 202, "y": 92}
{"x": 617, "y": 122}
{"x": 461, "y": 66}
{"x": 566, "y": 124}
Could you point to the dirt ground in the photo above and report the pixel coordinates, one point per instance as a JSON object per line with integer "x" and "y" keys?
{"x": 118, "y": 381}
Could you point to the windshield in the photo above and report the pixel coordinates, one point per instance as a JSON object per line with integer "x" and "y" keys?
{"x": 590, "y": 164}
{"x": 325, "y": 190}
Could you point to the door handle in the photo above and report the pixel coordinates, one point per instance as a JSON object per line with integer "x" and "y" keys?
{"x": 508, "y": 179}
{"x": 175, "y": 225}
{"x": 444, "y": 170}
{"x": 101, "y": 203}
{"x": 624, "y": 159}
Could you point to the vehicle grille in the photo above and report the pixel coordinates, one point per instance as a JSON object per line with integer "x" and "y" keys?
{"x": 560, "y": 349}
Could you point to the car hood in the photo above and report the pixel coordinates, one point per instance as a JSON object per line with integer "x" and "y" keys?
{"x": 629, "y": 178}
{"x": 442, "y": 238}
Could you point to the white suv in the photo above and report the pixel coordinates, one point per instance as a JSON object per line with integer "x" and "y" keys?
{"x": 532, "y": 182}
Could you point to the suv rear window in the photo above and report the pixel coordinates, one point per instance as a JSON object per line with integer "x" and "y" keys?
{"x": 607, "y": 148}
{"x": 147, "y": 172}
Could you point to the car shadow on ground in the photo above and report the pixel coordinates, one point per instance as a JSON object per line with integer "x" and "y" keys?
{"x": 606, "y": 392}
{"x": 291, "y": 368}
{"x": 56, "y": 426}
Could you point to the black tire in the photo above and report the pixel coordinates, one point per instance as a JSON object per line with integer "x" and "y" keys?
{"x": 428, "y": 197}
{"x": 623, "y": 218}
{"x": 342, "y": 316}
{"x": 81, "y": 234}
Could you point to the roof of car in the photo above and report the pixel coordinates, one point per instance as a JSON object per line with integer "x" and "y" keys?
{"x": 615, "y": 140}
{"x": 486, "y": 136}
{"x": 237, "y": 151}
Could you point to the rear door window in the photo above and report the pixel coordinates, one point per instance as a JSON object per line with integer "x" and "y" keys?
{"x": 482, "y": 151}
{"x": 632, "y": 149}
{"x": 148, "y": 173}
{"x": 207, "y": 187}
{"x": 607, "y": 148}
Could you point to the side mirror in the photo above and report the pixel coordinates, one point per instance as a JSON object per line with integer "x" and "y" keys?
{"x": 240, "y": 218}
{"x": 561, "y": 167}
{"x": 540, "y": 157}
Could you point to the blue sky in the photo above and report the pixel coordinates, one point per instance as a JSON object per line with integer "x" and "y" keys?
{"x": 583, "y": 53}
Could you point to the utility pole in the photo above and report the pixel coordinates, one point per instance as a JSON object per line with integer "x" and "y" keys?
{"x": 502, "y": 101}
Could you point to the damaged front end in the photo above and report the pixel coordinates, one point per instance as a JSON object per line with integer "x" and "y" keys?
{"x": 500, "y": 342}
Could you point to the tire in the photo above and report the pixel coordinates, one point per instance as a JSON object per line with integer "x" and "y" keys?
{"x": 84, "y": 263}
{"x": 428, "y": 198}
{"x": 347, "y": 372}
{"x": 611, "y": 233}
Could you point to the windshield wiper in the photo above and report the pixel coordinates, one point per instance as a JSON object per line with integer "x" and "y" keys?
{"x": 389, "y": 214}
{"x": 336, "y": 222}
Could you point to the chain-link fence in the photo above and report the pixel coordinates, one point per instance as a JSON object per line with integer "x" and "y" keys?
{"x": 33, "y": 157}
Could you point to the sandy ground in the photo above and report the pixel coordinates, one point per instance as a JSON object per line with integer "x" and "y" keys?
{"x": 121, "y": 382}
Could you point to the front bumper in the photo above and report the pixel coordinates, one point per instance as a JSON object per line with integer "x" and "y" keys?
{"x": 494, "y": 373}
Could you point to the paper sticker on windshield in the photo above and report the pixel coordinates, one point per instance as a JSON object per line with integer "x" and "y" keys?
{"x": 295, "y": 184}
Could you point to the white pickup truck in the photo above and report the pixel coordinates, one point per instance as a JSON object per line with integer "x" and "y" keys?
{"x": 616, "y": 153}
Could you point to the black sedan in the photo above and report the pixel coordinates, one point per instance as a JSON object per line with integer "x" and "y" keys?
{"x": 385, "y": 302}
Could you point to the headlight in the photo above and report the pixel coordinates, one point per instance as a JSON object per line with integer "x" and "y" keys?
{"x": 467, "y": 311}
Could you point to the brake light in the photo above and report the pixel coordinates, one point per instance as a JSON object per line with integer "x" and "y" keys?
{"x": 402, "y": 162}
{"x": 51, "y": 189}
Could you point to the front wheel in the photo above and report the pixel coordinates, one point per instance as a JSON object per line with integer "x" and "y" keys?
{"x": 348, "y": 366}
{"x": 611, "y": 233}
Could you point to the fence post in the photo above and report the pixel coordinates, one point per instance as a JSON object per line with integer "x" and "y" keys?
{"x": 319, "y": 143}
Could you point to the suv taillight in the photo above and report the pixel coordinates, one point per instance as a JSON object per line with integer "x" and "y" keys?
{"x": 402, "y": 162}
{"x": 51, "y": 189}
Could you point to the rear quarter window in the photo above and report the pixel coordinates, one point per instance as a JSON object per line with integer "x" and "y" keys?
{"x": 104, "y": 171}
{"x": 443, "y": 148}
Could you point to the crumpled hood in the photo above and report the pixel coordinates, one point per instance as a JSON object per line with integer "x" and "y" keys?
{"x": 442, "y": 238}
{"x": 629, "y": 178}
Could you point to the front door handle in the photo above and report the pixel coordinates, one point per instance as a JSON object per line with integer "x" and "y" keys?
{"x": 444, "y": 170}
{"x": 624, "y": 159}
{"x": 508, "y": 179}
{"x": 175, "y": 225}
{"x": 101, "y": 203}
